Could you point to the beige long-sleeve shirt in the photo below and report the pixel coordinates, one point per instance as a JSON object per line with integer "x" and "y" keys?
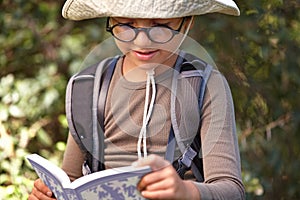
{"x": 123, "y": 119}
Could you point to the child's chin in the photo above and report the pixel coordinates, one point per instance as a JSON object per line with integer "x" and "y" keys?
{"x": 148, "y": 66}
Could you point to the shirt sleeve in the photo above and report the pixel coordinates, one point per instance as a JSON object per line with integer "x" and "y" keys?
{"x": 73, "y": 159}
{"x": 220, "y": 151}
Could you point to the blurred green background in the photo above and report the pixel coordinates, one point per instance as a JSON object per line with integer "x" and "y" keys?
{"x": 258, "y": 53}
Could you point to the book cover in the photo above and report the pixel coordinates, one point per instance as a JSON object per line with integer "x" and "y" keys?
{"x": 116, "y": 183}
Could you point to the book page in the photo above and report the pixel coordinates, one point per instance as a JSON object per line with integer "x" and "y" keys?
{"x": 110, "y": 174}
{"x": 41, "y": 164}
{"x": 53, "y": 176}
{"x": 118, "y": 183}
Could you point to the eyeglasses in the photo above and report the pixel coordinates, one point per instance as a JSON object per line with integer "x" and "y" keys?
{"x": 158, "y": 34}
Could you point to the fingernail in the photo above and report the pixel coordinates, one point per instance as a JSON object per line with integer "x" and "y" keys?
{"x": 49, "y": 194}
{"x": 143, "y": 193}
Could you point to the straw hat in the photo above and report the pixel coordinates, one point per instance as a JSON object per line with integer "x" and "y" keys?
{"x": 87, "y": 9}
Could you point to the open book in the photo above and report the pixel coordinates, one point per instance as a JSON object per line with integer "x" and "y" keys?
{"x": 116, "y": 183}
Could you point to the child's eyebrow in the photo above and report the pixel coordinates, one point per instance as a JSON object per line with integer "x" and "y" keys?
{"x": 112, "y": 20}
{"x": 120, "y": 21}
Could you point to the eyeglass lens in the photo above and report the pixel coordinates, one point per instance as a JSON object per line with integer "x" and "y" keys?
{"x": 128, "y": 33}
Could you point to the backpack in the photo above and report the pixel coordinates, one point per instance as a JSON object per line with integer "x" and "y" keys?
{"x": 85, "y": 114}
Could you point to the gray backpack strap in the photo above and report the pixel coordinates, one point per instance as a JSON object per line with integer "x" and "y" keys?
{"x": 189, "y": 159}
{"x": 98, "y": 112}
{"x": 170, "y": 150}
{"x": 81, "y": 110}
{"x": 98, "y": 134}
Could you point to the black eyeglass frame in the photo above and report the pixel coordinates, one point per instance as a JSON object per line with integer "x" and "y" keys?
{"x": 146, "y": 30}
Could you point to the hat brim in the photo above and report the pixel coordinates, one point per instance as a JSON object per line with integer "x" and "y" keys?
{"x": 84, "y": 9}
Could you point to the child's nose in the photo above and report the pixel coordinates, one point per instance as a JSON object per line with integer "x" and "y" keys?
{"x": 142, "y": 39}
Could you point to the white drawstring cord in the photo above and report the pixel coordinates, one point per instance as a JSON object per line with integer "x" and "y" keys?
{"x": 147, "y": 113}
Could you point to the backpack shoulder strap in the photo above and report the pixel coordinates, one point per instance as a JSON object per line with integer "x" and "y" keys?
{"x": 189, "y": 159}
{"x": 82, "y": 111}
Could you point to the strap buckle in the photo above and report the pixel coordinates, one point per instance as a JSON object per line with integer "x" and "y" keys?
{"x": 185, "y": 162}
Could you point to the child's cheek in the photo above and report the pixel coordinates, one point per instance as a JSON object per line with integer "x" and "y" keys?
{"x": 124, "y": 47}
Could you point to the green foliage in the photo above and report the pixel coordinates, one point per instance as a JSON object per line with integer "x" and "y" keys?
{"x": 31, "y": 92}
{"x": 258, "y": 53}
{"x": 28, "y": 110}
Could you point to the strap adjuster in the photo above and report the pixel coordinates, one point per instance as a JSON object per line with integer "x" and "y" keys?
{"x": 188, "y": 156}
{"x": 185, "y": 162}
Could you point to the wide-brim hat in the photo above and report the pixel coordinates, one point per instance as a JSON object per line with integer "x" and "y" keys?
{"x": 87, "y": 9}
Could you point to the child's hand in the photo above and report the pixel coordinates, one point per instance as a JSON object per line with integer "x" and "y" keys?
{"x": 40, "y": 191}
{"x": 164, "y": 182}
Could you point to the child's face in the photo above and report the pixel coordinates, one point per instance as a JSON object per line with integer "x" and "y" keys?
{"x": 146, "y": 41}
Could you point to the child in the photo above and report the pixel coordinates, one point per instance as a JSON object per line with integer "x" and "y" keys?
{"x": 138, "y": 110}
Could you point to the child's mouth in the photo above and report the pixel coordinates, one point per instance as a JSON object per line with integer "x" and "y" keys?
{"x": 145, "y": 55}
